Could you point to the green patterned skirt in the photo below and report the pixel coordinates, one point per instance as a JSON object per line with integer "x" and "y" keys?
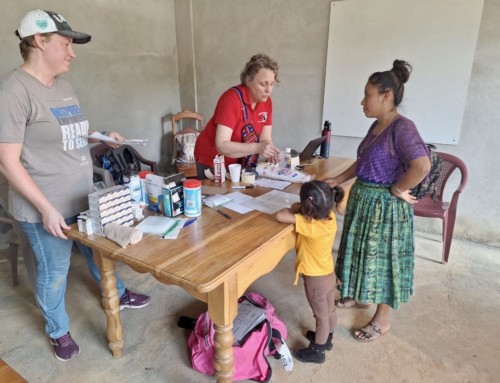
{"x": 376, "y": 256}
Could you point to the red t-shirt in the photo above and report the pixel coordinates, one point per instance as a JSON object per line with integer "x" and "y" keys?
{"x": 229, "y": 112}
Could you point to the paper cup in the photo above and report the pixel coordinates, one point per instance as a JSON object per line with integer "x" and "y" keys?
{"x": 235, "y": 172}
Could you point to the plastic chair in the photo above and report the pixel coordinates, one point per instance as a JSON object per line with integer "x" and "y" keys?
{"x": 447, "y": 211}
{"x": 178, "y": 120}
{"x": 119, "y": 159}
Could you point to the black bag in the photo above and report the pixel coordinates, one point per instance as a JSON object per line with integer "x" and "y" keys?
{"x": 428, "y": 184}
{"x": 118, "y": 161}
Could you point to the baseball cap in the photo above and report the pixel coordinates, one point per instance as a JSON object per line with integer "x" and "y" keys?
{"x": 39, "y": 21}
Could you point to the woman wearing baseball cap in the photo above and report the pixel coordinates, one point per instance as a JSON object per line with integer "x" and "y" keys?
{"x": 45, "y": 156}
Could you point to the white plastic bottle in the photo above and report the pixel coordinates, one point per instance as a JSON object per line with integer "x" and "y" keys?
{"x": 288, "y": 158}
{"x": 133, "y": 181}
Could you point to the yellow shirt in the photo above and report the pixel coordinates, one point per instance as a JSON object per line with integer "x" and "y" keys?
{"x": 314, "y": 245}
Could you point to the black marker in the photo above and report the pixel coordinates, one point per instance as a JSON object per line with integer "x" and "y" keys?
{"x": 223, "y": 214}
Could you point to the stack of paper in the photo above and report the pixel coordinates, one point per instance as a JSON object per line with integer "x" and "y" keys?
{"x": 165, "y": 227}
{"x": 216, "y": 200}
{"x": 101, "y": 137}
{"x": 249, "y": 316}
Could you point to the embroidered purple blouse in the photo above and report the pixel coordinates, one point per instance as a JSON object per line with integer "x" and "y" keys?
{"x": 383, "y": 159}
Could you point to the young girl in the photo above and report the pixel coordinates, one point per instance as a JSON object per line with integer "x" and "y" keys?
{"x": 316, "y": 227}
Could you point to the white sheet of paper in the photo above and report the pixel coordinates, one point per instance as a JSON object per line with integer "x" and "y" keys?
{"x": 274, "y": 184}
{"x": 154, "y": 224}
{"x": 101, "y": 137}
{"x": 237, "y": 202}
{"x": 216, "y": 200}
{"x": 271, "y": 202}
{"x": 279, "y": 198}
{"x": 261, "y": 205}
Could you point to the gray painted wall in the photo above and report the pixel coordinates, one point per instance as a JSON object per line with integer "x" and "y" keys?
{"x": 128, "y": 77}
{"x": 295, "y": 32}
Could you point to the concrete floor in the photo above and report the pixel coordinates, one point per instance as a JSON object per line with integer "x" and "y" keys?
{"x": 449, "y": 331}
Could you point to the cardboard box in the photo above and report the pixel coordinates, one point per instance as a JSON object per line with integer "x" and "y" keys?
{"x": 219, "y": 169}
{"x": 173, "y": 199}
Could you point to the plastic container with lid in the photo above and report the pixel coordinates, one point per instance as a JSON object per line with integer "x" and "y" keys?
{"x": 192, "y": 198}
{"x": 144, "y": 192}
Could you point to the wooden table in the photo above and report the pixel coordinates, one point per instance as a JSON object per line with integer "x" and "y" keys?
{"x": 215, "y": 260}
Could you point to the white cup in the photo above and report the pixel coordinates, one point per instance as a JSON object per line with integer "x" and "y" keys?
{"x": 235, "y": 172}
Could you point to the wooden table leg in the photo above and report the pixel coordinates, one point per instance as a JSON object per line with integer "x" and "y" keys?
{"x": 222, "y": 309}
{"x": 111, "y": 304}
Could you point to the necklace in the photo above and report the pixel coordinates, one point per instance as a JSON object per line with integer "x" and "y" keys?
{"x": 369, "y": 142}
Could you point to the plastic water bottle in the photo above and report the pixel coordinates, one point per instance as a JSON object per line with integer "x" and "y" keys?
{"x": 325, "y": 145}
{"x": 106, "y": 164}
{"x": 288, "y": 158}
{"x": 133, "y": 181}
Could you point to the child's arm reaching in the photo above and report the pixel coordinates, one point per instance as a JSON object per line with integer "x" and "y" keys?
{"x": 288, "y": 215}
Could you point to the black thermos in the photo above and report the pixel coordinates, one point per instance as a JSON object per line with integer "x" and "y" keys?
{"x": 325, "y": 145}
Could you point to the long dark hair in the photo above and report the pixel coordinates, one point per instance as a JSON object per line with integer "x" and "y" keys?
{"x": 393, "y": 79}
{"x": 317, "y": 199}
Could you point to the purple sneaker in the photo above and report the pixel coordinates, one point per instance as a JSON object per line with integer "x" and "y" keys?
{"x": 131, "y": 300}
{"x": 65, "y": 348}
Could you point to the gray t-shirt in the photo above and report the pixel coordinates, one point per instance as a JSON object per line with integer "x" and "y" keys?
{"x": 49, "y": 123}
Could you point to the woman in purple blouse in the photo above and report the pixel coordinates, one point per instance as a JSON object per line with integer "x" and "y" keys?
{"x": 376, "y": 255}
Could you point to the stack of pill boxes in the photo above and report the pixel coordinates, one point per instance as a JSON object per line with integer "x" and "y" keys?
{"x": 110, "y": 205}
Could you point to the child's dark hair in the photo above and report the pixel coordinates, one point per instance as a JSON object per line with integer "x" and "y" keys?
{"x": 317, "y": 199}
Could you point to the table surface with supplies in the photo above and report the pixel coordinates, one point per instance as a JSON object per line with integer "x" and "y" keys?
{"x": 215, "y": 260}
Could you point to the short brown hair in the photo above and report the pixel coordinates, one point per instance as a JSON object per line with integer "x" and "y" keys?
{"x": 28, "y": 43}
{"x": 256, "y": 63}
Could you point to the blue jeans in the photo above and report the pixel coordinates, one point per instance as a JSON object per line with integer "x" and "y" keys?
{"x": 53, "y": 257}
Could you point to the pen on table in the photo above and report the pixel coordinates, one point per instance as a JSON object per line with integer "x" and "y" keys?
{"x": 189, "y": 222}
{"x": 242, "y": 187}
{"x": 223, "y": 214}
{"x": 170, "y": 229}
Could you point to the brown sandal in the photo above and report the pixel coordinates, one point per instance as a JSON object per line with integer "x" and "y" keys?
{"x": 369, "y": 333}
{"x": 347, "y": 303}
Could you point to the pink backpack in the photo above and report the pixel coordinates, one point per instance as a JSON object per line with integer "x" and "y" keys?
{"x": 250, "y": 358}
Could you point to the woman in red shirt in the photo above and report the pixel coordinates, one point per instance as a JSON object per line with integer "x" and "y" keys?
{"x": 241, "y": 126}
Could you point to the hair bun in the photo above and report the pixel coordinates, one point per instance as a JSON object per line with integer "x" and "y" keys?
{"x": 402, "y": 70}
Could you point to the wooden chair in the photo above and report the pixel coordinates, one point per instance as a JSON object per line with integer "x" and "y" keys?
{"x": 178, "y": 128}
{"x": 119, "y": 159}
{"x": 447, "y": 211}
{"x": 14, "y": 244}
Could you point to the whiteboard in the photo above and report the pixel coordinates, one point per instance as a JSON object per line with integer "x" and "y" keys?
{"x": 438, "y": 38}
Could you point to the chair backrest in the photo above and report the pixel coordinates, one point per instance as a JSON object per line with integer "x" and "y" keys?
{"x": 4, "y": 200}
{"x": 450, "y": 163}
{"x": 119, "y": 160}
{"x": 186, "y": 121}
